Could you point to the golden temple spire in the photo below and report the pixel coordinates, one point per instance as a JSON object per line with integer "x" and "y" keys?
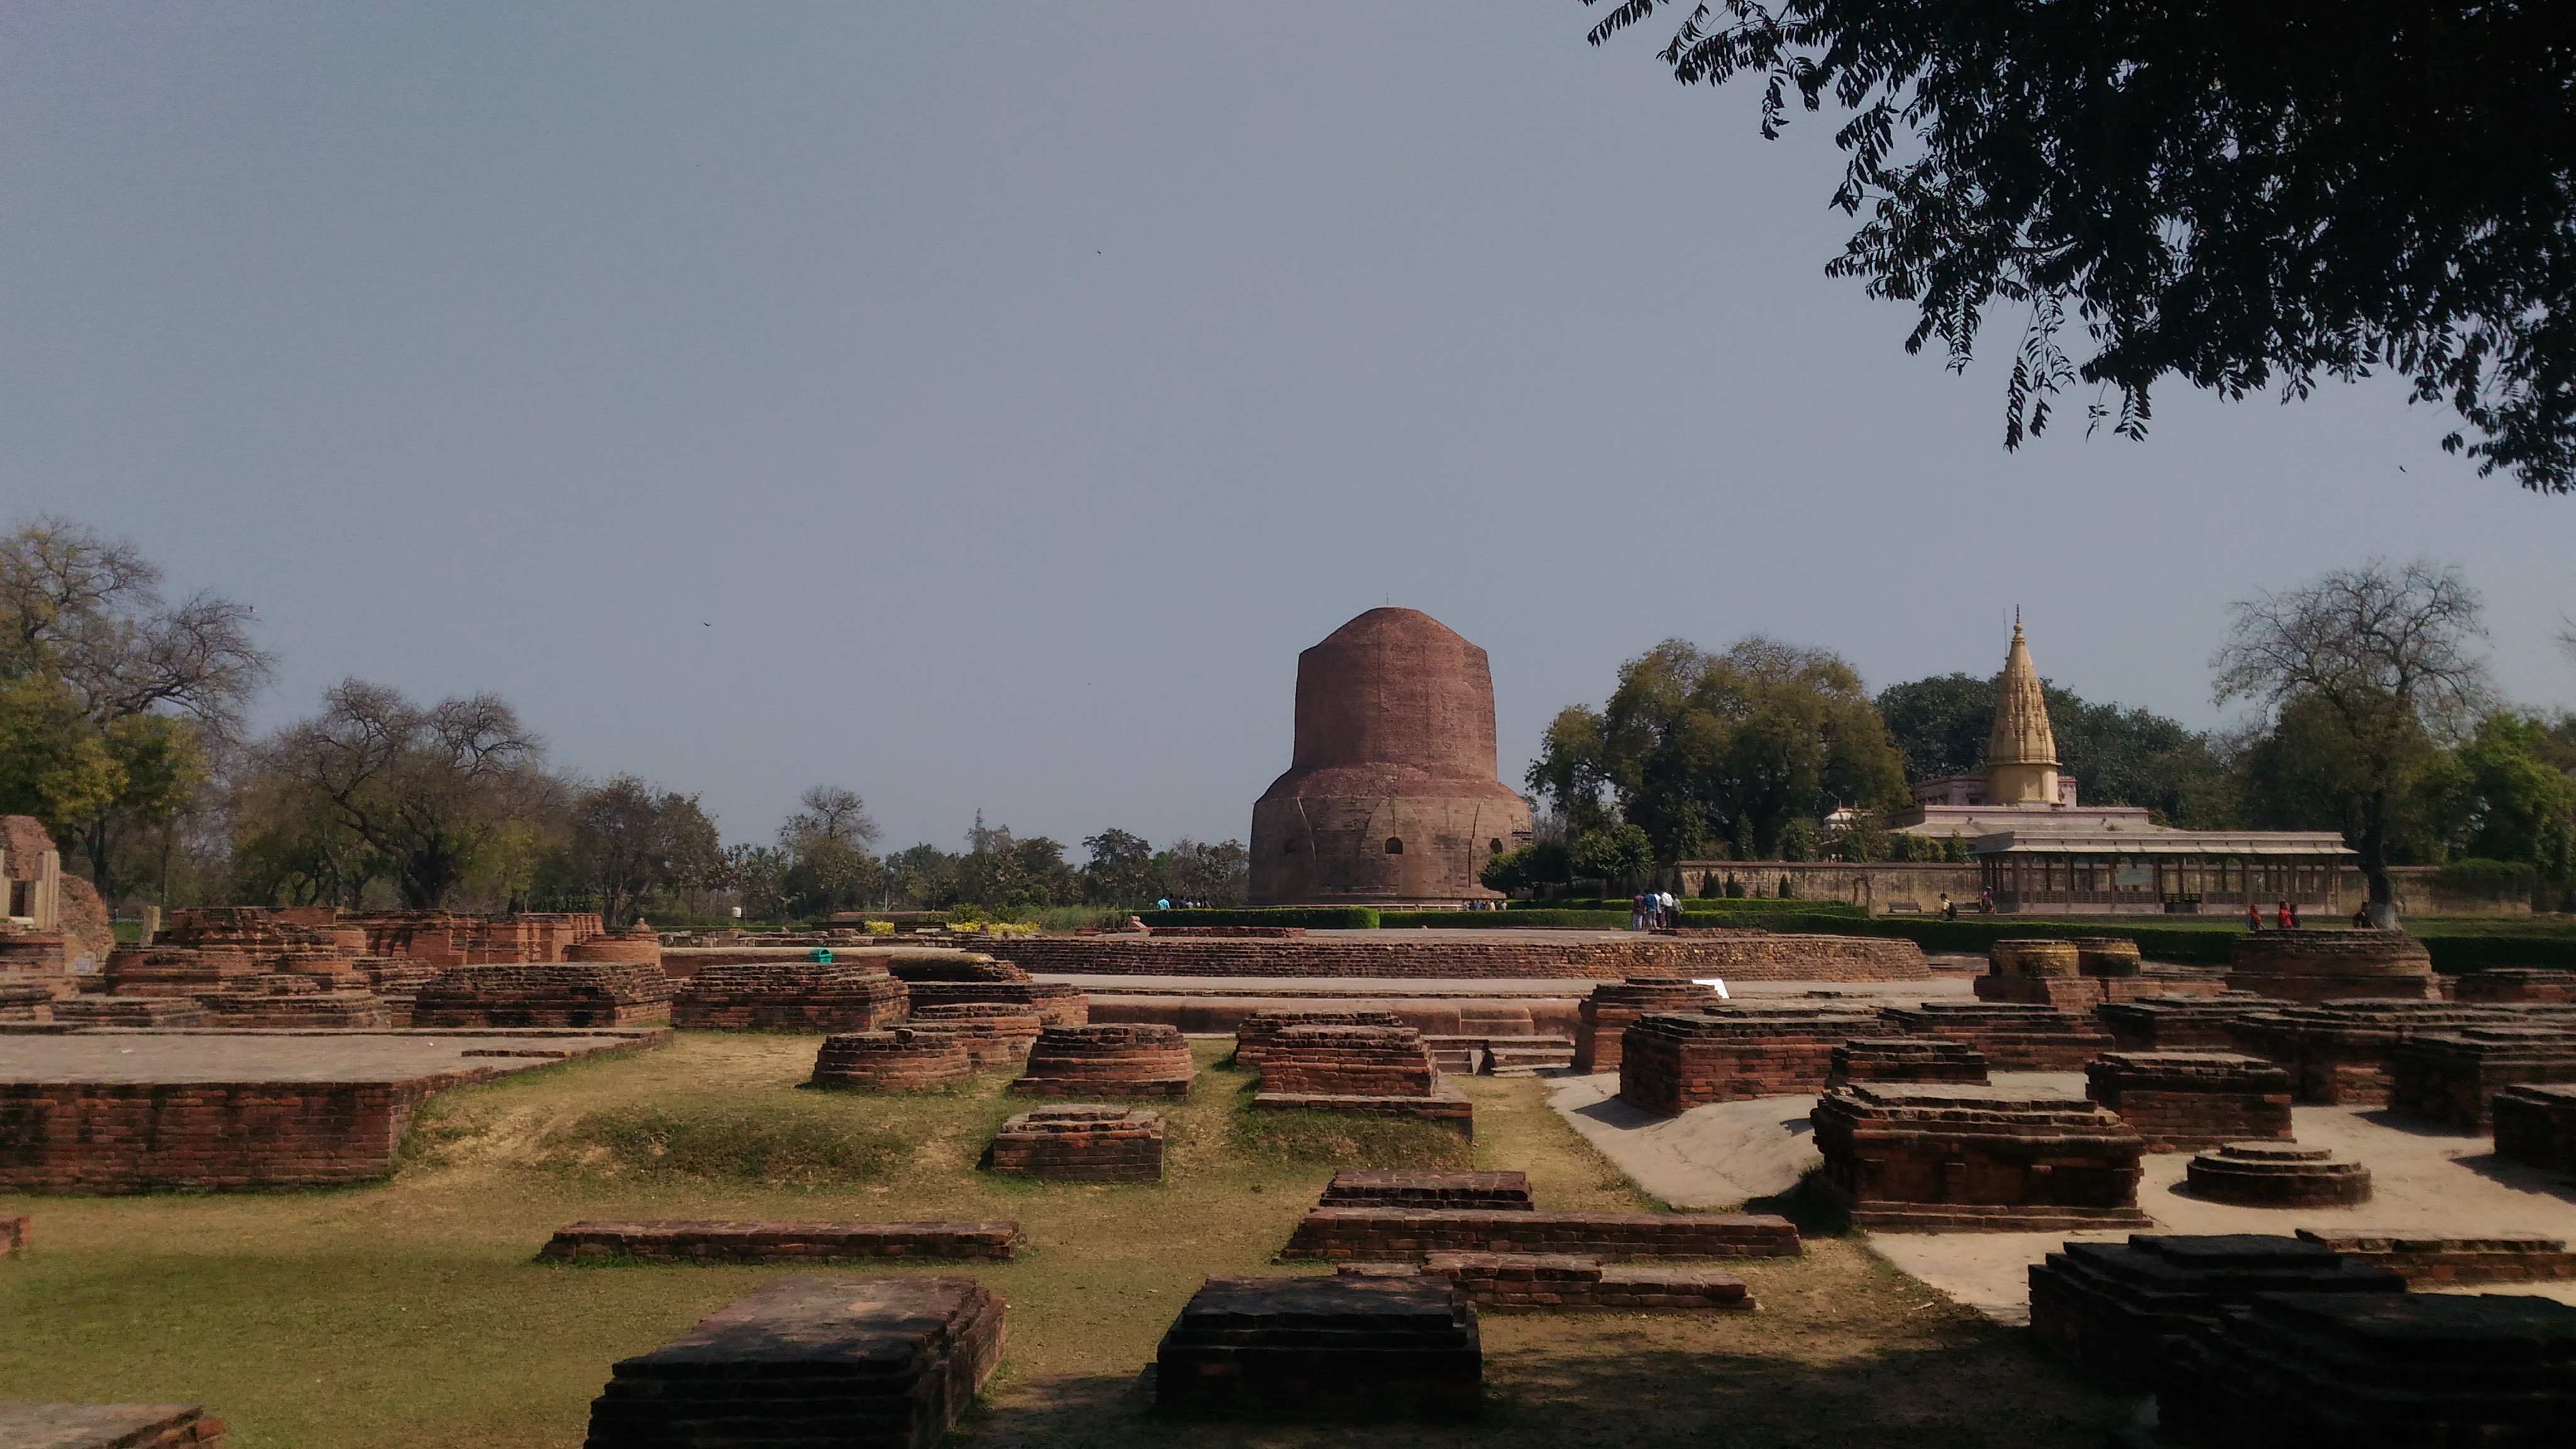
{"x": 2021, "y": 752}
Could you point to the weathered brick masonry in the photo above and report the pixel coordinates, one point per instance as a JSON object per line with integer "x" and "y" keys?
{"x": 1992, "y": 1159}
{"x": 779, "y": 1242}
{"x": 2516, "y": 983}
{"x": 2013, "y": 1038}
{"x": 886, "y": 1361}
{"x": 2344, "y": 1053}
{"x": 1081, "y": 1144}
{"x": 2373, "y": 1368}
{"x": 2179, "y": 1023}
{"x": 994, "y": 1033}
{"x": 902, "y": 1060}
{"x": 2277, "y": 1175}
{"x": 1108, "y": 1061}
{"x": 1376, "y": 1234}
{"x": 1466, "y": 954}
{"x": 1413, "y": 1188}
{"x": 2189, "y": 1100}
{"x": 1553, "y": 1282}
{"x": 584, "y": 993}
{"x": 1252, "y": 1035}
{"x": 848, "y": 994}
{"x": 2428, "y": 1261}
{"x": 2313, "y": 966}
{"x": 2107, "y": 1307}
{"x": 1905, "y": 1059}
{"x": 141, "y": 1136}
{"x": 1615, "y": 1006}
{"x": 2536, "y": 1126}
{"x": 1363, "y": 1348}
{"x": 2452, "y": 1077}
{"x": 1671, "y": 1063}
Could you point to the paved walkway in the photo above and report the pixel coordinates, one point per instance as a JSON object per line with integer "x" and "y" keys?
{"x": 2432, "y": 1182}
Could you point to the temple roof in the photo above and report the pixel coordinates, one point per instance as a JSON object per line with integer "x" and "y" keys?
{"x": 2021, "y": 735}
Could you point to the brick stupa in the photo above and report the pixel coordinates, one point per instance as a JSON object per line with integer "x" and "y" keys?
{"x": 1392, "y": 796}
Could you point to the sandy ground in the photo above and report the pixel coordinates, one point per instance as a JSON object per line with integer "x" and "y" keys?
{"x": 2422, "y": 1181}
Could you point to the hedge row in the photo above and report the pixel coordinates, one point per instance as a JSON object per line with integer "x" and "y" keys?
{"x": 1313, "y": 918}
{"x": 1707, "y": 906}
{"x": 1509, "y": 920}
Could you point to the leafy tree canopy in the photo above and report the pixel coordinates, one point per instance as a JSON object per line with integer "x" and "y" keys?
{"x": 1738, "y": 751}
{"x": 2243, "y": 196}
{"x": 2118, "y": 756}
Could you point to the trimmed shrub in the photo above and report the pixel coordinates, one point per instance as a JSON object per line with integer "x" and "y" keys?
{"x": 1313, "y": 918}
{"x": 1474, "y": 920}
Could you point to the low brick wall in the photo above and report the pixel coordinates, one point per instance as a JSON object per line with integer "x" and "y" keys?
{"x": 1055, "y": 1002}
{"x": 2344, "y": 1053}
{"x": 831, "y": 1359}
{"x": 1364, "y": 1349}
{"x": 1359, "y": 1061}
{"x": 1253, "y": 1033}
{"x": 1445, "y": 1105}
{"x": 2452, "y": 1077}
{"x": 1458, "y": 955}
{"x": 593, "y": 993}
{"x": 2109, "y": 1308}
{"x": 2178, "y": 1023}
{"x": 1081, "y": 1144}
{"x": 778, "y": 1242}
{"x": 1614, "y": 1007}
{"x": 119, "y": 1137}
{"x": 2314, "y": 966}
{"x": 2013, "y": 1038}
{"x": 1370, "y": 1234}
{"x": 1555, "y": 1282}
{"x": 2516, "y": 983}
{"x": 1905, "y": 1059}
{"x": 1980, "y": 1159}
{"x": 2180, "y": 1101}
{"x": 994, "y": 1033}
{"x": 2536, "y": 1126}
{"x": 857, "y": 995}
{"x": 1407, "y": 1187}
{"x": 2428, "y": 1261}
{"x": 1670, "y": 1063}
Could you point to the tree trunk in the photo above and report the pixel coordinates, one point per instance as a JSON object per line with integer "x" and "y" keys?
{"x": 2382, "y": 905}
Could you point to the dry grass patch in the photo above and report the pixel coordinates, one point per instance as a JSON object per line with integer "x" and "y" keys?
{"x": 411, "y": 1314}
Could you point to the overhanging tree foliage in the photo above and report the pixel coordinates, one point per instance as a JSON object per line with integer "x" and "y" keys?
{"x": 2242, "y": 195}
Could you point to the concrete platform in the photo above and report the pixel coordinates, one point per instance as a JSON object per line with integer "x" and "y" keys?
{"x": 143, "y": 1110}
{"x": 182, "y": 1054}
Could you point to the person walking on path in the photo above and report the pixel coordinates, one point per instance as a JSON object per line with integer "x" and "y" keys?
{"x": 2253, "y": 916}
{"x": 2281, "y": 917}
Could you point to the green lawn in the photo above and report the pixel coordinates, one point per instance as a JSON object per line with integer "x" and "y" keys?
{"x": 411, "y": 1313}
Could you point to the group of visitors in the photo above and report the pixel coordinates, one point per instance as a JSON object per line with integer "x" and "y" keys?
{"x": 1985, "y": 904}
{"x": 2285, "y": 917}
{"x": 1654, "y": 911}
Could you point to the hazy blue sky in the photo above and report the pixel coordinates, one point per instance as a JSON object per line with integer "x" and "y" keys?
{"x": 980, "y": 406}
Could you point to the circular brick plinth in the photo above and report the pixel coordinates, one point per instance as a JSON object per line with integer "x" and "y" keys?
{"x": 626, "y": 946}
{"x": 1127, "y": 1059}
{"x": 2035, "y": 958}
{"x": 897, "y": 1061}
{"x": 2332, "y": 953}
{"x": 2107, "y": 956}
{"x": 994, "y": 1033}
{"x": 2278, "y": 1175}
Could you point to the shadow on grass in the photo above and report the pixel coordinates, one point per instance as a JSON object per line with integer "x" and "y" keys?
{"x": 1603, "y": 1383}
{"x": 1810, "y": 1205}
